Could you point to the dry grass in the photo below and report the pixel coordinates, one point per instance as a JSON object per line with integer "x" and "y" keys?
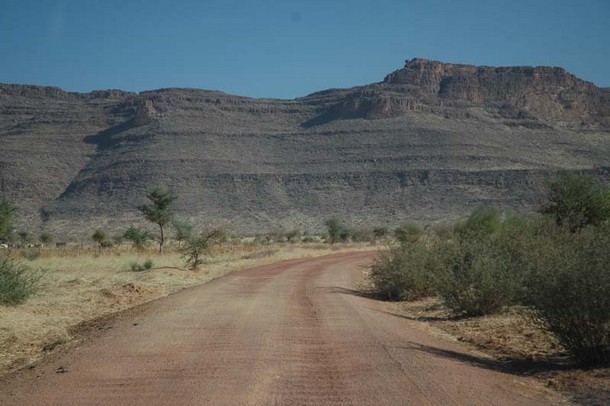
{"x": 82, "y": 284}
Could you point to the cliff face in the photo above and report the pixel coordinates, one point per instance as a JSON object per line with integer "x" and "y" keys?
{"x": 543, "y": 95}
{"x": 431, "y": 141}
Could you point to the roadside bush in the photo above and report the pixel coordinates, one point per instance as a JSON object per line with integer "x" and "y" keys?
{"x": 404, "y": 272}
{"x": 569, "y": 290}
{"x": 17, "y": 283}
{"x": 407, "y": 233}
{"x": 474, "y": 279}
{"x": 145, "y": 266}
{"x": 380, "y": 232}
{"x": 482, "y": 267}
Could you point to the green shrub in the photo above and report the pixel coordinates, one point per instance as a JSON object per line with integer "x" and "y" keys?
{"x": 106, "y": 244}
{"x": 404, "y": 272}
{"x": 335, "y": 228}
{"x": 569, "y": 289}
{"x": 483, "y": 268}
{"x": 138, "y": 237}
{"x": 475, "y": 279}
{"x": 148, "y": 264}
{"x": 575, "y": 201}
{"x": 481, "y": 221}
{"x": 407, "y": 233}
{"x": 145, "y": 266}
{"x": 17, "y": 283}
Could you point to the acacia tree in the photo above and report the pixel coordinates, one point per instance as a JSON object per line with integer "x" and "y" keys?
{"x": 7, "y": 216}
{"x": 159, "y": 210}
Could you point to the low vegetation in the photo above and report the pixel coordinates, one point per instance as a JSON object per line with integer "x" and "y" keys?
{"x": 17, "y": 282}
{"x": 196, "y": 246}
{"x": 139, "y": 267}
{"x": 556, "y": 264}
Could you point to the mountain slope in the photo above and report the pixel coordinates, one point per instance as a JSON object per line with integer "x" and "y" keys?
{"x": 431, "y": 141}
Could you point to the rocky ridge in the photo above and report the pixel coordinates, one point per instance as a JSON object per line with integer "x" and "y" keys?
{"x": 429, "y": 142}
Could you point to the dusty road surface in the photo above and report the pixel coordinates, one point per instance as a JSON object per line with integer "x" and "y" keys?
{"x": 292, "y": 333}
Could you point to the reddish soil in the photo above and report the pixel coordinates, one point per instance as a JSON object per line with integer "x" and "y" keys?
{"x": 292, "y": 333}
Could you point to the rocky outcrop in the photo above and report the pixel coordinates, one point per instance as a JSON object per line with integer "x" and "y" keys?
{"x": 547, "y": 93}
{"x": 145, "y": 113}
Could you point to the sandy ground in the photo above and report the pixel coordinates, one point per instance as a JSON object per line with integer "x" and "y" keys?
{"x": 291, "y": 333}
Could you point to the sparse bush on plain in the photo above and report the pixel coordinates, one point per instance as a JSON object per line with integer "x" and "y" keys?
{"x": 17, "y": 283}
{"x": 199, "y": 245}
{"x": 144, "y": 266}
{"x": 99, "y": 236}
{"x": 335, "y": 227}
{"x": 138, "y": 237}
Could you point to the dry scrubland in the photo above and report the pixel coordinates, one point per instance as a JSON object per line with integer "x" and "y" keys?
{"x": 84, "y": 284}
{"x": 533, "y": 291}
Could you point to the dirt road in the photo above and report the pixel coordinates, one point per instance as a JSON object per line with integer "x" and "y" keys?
{"x": 292, "y": 333}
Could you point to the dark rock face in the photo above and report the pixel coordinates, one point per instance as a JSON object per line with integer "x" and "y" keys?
{"x": 432, "y": 141}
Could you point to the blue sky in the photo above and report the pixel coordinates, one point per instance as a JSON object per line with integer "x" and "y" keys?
{"x": 288, "y": 48}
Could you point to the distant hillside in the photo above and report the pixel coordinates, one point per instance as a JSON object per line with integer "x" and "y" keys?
{"x": 431, "y": 141}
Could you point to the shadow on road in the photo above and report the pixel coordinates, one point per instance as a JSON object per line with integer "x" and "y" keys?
{"x": 522, "y": 367}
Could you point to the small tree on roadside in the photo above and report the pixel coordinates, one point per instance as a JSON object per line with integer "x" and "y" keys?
{"x": 159, "y": 210}
{"x": 138, "y": 237}
{"x": 7, "y": 217}
{"x": 197, "y": 246}
{"x": 335, "y": 228}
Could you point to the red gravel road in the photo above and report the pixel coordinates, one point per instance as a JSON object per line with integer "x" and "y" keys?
{"x": 291, "y": 333}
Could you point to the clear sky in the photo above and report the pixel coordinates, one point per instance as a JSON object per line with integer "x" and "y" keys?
{"x": 288, "y": 48}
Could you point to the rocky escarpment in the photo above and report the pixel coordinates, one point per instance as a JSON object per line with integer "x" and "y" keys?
{"x": 537, "y": 96}
{"x": 430, "y": 142}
